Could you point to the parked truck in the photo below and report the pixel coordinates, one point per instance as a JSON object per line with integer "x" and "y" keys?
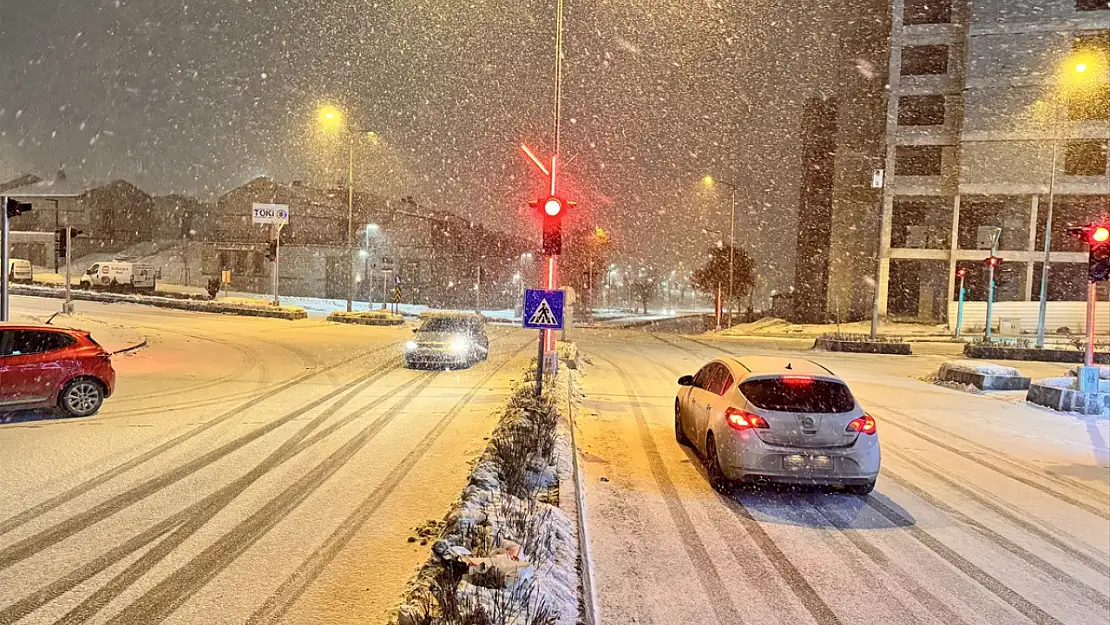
{"x": 119, "y": 276}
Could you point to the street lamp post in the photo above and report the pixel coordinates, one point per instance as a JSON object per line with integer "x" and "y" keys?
{"x": 731, "y": 241}
{"x": 1075, "y": 68}
{"x": 332, "y": 118}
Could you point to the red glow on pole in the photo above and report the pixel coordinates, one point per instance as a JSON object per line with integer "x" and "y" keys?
{"x": 550, "y": 272}
{"x": 534, "y": 159}
{"x": 552, "y": 175}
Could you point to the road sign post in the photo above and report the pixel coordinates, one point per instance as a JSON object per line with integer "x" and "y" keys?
{"x": 276, "y": 216}
{"x": 543, "y": 311}
{"x": 67, "y": 307}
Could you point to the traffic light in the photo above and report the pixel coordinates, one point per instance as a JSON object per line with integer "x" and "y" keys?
{"x": 961, "y": 273}
{"x": 993, "y": 261}
{"x": 60, "y": 242}
{"x": 272, "y": 251}
{"x": 1097, "y": 238}
{"x": 552, "y": 226}
{"x": 14, "y": 208}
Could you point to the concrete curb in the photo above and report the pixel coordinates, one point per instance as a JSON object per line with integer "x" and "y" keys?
{"x": 207, "y": 306}
{"x": 982, "y": 381}
{"x": 990, "y": 352}
{"x": 1068, "y": 400}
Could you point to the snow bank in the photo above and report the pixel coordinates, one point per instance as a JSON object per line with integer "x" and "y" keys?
{"x": 983, "y": 368}
{"x": 1064, "y": 383}
{"x": 513, "y": 495}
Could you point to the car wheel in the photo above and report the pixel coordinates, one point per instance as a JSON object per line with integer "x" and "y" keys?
{"x": 861, "y": 489}
{"x": 81, "y": 397}
{"x": 679, "y": 434}
{"x": 717, "y": 477}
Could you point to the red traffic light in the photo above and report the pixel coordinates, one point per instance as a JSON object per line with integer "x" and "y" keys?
{"x": 1091, "y": 234}
{"x": 992, "y": 261}
{"x": 960, "y": 273}
{"x": 553, "y": 207}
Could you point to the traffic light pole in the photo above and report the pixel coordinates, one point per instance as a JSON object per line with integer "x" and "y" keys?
{"x": 990, "y": 282}
{"x": 960, "y": 310}
{"x": 1092, "y": 298}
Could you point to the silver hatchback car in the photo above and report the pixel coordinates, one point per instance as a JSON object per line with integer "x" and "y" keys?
{"x": 770, "y": 419}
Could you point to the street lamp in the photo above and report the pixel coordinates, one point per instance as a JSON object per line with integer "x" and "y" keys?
{"x": 331, "y": 119}
{"x": 1073, "y": 75}
{"x": 710, "y": 181}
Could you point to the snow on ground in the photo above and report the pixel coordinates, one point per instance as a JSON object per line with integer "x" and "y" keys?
{"x": 301, "y": 455}
{"x": 984, "y": 368}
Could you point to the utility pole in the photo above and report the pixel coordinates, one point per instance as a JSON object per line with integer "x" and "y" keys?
{"x": 350, "y": 218}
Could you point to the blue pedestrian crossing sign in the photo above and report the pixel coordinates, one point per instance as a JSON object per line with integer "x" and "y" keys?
{"x": 543, "y": 310}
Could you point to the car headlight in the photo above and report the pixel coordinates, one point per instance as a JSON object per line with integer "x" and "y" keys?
{"x": 411, "y": 345}
{"x": 459, "y": 344}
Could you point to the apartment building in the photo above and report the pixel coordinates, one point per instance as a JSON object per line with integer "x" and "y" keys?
{"x": 997, "y": 121}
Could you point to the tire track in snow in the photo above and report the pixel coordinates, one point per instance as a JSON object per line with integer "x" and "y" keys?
{"x": 158, "y": 603}
{"x": 191, "y": 518}
{"x": 199, "y": 514}
{"x": 281, "y": 600}
{"x": 1094, "y": 563}
{"x": 27, "y": 547}
{"x": 40, "y": 509}
{"x": 1030, "y": 558}
{"x": 1098, "y": 511}
{"x": 708, "y": 576}
{"x": 1018, "y": 602}
{"x": 935, "y": 605}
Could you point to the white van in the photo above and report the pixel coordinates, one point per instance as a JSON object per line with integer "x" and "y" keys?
{"x": 119, "y": 275}
{"x": 20, "y": 270}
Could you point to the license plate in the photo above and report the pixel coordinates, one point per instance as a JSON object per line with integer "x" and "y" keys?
{"x": 798, "y": 461}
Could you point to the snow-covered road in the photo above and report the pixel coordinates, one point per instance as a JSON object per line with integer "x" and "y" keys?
{"x": 988, "y": 511}
{"x": 247, "y": 470}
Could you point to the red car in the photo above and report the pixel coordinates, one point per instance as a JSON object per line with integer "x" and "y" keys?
{"x": 50, "y": 367}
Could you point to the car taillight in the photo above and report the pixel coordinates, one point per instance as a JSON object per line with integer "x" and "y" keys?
{"x": 863, "y": 425}
{"x": 741, "y": 420}
{"x": 797, "y": 379}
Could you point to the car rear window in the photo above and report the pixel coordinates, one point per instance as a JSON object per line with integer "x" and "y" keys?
{"x": 799, "y": 395}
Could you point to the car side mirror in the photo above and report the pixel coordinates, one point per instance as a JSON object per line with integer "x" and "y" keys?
{"x": 686, "y": 380}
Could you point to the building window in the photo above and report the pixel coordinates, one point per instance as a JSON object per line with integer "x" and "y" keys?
{"x": 924, "y": 60}
{"x": 1085, "y": 158}
{"x": 917, "y": 160}
{"x": 1092, "y": 5}
{"x": 927, "y": 12}
{"x": 921, "y": 110}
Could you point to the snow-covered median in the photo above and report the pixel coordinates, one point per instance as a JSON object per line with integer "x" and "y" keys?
{"x": 508, "y": 553}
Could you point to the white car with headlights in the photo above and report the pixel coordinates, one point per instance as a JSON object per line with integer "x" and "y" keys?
{"x": 451, "y": 340}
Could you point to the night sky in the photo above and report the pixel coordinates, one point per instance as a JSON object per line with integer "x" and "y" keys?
{"x": 200, "y": 96}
